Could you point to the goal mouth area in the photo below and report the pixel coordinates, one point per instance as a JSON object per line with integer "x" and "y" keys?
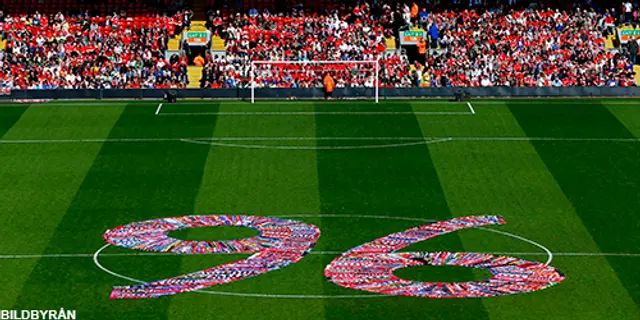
{"x": 308, "y": 107}
{"x": 323, "y": 76}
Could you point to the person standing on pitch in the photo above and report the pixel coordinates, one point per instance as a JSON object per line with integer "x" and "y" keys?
{"x": 329, "y": 85}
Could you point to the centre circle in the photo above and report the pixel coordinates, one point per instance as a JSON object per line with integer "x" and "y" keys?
{"x": 306, "y": 296}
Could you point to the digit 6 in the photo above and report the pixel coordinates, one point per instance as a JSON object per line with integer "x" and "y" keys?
{"x": 370, "y": 266}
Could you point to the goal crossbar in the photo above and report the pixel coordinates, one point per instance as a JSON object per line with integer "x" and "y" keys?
{"x": 279, "y": 62}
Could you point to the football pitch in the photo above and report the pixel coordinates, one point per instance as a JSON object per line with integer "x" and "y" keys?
{"x": 563, "y": 173}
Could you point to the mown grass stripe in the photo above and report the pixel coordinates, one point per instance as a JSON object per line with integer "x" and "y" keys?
{"x": 9, "y": 116}
{"x": 386, "y": 182}
{"x": 37, "y": 185}
{"x": 126, "y": 183}
{"x": 265, "y": 183}
{"x": 510, "y": 180}
{"x": 602, "y": 180}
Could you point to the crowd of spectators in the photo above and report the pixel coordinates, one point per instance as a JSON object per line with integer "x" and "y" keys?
{"x": 501, "y": 46}
{"x": 47, "y": 51}
{"x": 343, "y": 35}
{"x": 541, "y": 47}
{"x": 471, "y": 47}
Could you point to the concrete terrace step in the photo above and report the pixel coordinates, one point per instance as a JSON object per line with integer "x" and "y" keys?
{"x": 198, "y": 26}
{"x": 193, "y": 78}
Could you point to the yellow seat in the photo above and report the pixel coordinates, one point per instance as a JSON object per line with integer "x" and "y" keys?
{"x": 391, "y": 43}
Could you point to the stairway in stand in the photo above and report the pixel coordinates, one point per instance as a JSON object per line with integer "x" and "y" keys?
{"x": 608, "y": 42}
{"x": 194, "y": 73}
{"x": 217, "y": 44}
{"x": 199, "y": 23}
{"x": 174, "y": 43}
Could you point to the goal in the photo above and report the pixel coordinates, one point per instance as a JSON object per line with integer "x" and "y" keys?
{"x": 354, "y": 78}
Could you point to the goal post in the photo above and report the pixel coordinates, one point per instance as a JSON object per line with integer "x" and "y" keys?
{"x": 350, "y": 74}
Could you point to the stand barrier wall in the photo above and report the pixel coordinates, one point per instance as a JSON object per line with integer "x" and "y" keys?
{"x": 317, "y": 93}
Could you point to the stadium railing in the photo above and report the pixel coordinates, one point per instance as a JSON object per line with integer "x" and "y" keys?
{"x": 318, "y": 93}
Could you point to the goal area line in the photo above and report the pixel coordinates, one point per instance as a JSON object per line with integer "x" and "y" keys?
{"x": 469, "y": 112}
{"x": 316, "y": 113}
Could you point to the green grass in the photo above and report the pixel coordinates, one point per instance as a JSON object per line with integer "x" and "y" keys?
{"x": 214, "y": 233}
{"x": 577, "y": 198}
{"x": 442, "y": 274}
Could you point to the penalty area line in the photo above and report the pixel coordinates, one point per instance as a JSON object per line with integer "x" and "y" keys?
{"x": 473, "y": 111}
{"x": 288, "y": 147}
{"x": 159, "y": 108}
{"x": 206, "y": 139}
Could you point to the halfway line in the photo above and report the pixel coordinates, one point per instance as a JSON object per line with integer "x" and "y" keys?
{"x": 151, "y": 254}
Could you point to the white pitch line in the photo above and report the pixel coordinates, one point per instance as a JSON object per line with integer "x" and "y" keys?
{"x": 535, "y": 101}
{"x": 515, "y": 236}
{"x": 44, "y": 141}
{"x": 315, "y": 147}
{"x": 471, "y": 108}
{"x": 68, "y": 105}
{"x": 159, "y": 108}
{"x": 544, "y": 139}
{"x": 133, "y": 254}
{"x": 312, "y": 113}
{"x": 117, "y": 275}
{"x": 237, "y": 294}
{"x": 150, "y": 103}
{"x": 297, "y": 296}
{"x": 151, "y": 254}
{"x": 440, "y": 139}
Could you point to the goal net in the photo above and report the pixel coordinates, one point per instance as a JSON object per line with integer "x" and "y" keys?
{"x": 351, "y": 78}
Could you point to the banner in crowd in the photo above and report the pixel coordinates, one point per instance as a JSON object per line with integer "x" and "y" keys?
{"x": 626, "y": 34}
{"x": 197, "y": 38}
{"x": 411, "y": 37}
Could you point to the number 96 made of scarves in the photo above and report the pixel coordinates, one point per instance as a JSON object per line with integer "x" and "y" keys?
{"x": 368, "y": 267}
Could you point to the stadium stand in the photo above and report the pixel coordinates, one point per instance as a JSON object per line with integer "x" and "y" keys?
{"x": 80, "y": 51}
{"x": 525, "y": 47}
{"x": 62, "y": 44}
